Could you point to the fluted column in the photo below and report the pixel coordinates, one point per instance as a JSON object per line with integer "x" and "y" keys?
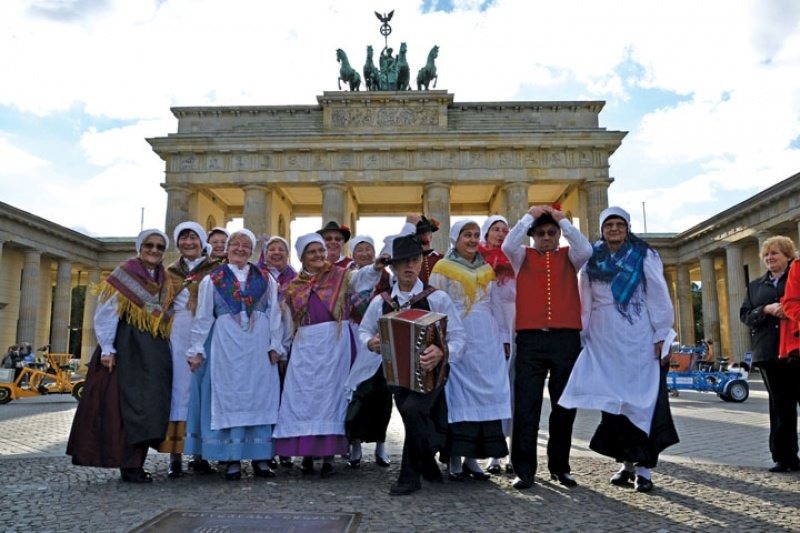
{"x": 177, "y": 208}
{"x": 737, "y": 290}
{"x": 683, "y": 291}
{"x": 596, "y": 192}
{"x": 436, "y": 203}
{"x": 710, "y": 302}
{"x": 62, "y": 303}
{"x": 88, "y": 338}
{"x": 257, "y": 207}
{"x": 516, "y": 201}
{"x": 334, "y": 203}
{"x": 29, "y": 297}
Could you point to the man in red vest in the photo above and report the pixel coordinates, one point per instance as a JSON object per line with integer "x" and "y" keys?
{"x": 548, "y": 325}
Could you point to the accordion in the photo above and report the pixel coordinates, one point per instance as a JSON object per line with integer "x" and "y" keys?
{"x": 404, "y": 336}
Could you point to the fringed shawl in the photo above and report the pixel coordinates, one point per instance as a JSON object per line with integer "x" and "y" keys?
{"x": 179, "y": 278}
{"x": 140, "y": 296}
{"x": 499, "y": 263}
{"x": 329, "y": 285}
{"x": 471, "y": 279}
{"x": 623, "y": 270}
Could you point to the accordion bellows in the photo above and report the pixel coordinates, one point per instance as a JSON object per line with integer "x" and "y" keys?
{"x": 404, "y": 336}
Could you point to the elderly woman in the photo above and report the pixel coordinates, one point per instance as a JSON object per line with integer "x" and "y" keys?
{"x": 370, "y": 405}
{"x": 493, "y": 232}
{"x": 769, "y": 313}
{"x": 217, "y": 238}
{"x": 240, "y": 388}
{"x": 184, "y": 277}
{"x": 477, "y": 391}
{"x": 627, "y": 321}
{"x": 126, "y": 403}
{"x": 313, "y": 403}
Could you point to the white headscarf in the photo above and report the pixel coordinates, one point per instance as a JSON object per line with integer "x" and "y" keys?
{"x": 303, "y": 241}
{"x": 247, "y": 233}
{"x": 455, "y": 230}
{"x": 489, "y": 223}
{"x": 358, "y": 239}
{"x": 146, "y": 233}
{"x": 615, "y": 211}
{"x": 192, "y": 226}
{"x": 277, "y": 238}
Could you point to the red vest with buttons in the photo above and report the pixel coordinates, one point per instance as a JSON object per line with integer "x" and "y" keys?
{"x": 547, "y": 292}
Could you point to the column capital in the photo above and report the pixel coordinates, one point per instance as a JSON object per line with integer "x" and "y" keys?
{"x": 733, "y": 246}
{"x": 438, "y": 185}
{"x": 256, "y": 187}
{"x": 177, "y": 187}
{"x": 333, "y": 186}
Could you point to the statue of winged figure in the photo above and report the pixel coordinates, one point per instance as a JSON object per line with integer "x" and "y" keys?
{"x": 385, "y": 17}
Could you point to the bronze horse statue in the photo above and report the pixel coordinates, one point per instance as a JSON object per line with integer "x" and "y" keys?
{"x": 428, "y": 72}
{"x": 371, "y": 82}
{"x": 403, "y": 72}
{"x": 347, "y": 73}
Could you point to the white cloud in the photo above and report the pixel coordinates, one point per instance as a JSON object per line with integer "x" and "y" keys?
{"x": 16, "y": 160}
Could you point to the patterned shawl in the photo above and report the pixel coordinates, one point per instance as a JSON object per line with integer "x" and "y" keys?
{"x": 140, "y": 296}
{"x": 179, "y": 277}
{"x": 471, "y": 276}
{"x": 499, "y": 262}
{"x": 329, "y": 285}
{"x": 230, "y": 290}
{"x": 623, "y": 270}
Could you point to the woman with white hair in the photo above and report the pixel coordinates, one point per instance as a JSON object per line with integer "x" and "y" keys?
{"x": 240, "y": 387}
{"x": 477, "y": 390}
{"x": 313, "y": 403}
{"x": 184, "y": 277}
{"x": 126, "y": 402}
{"x": 627, "y": 318}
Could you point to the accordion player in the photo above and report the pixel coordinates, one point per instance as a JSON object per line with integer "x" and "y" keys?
{"x": 404, "y": 336}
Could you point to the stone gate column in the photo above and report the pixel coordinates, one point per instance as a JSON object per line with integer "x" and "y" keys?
{"x": 29, "y": 298}
{"x": 177, "y": 208}
{"x": 740, "y": 338}
{"x": 685, "y": 314}
{"x": 761, "y": 236}
{"x": 62, "y": 303}
{"x": 257, "y": 207}
{"x": 88, "y": 338}
{"x": 334, "y": 204}
{"x": 516, "y": 201}
{"x": 710, "y": 302}
{"x": 596, "y": 192}
{"x": 436, "y": 203}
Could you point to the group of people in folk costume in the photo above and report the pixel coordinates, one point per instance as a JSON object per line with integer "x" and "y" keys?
{"x": 231, "y": 360}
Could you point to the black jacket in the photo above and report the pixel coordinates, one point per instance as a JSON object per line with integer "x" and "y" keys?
{"x": 765, "y": 330}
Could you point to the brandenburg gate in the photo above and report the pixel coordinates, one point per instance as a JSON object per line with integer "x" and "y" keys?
{"x": 385, "y": 153}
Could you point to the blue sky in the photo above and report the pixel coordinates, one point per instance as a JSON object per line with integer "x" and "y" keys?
{"x": 707, "y": 90}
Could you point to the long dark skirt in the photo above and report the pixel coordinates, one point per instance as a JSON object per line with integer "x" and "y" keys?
{"x": 369, "y": 410}
{"x": 617, "y": 437}
{"x": 478, "y": 439}
{"x": 123, "y": 412}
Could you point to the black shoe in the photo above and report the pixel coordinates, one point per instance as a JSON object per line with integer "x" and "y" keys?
{"x": 175, "y": 470}
{"x": 475, "y": 474}
{"x": 509, "y": 468}
{"x": 623, "y": 478}
{"x": 456, "y": 476}
{"x": 232, "y": 473}
{"x": 326, "y": 471}
{"x": 402, "y": 489}
{"x": 266, "y": 471}
{"x": 355, "y": 463}
{"x": 135, "y": 475}
{"x": 642, "y": 484}
{"x": 380, "y": 461}
{"x": 286, "y": 462}
{"x": 495, "y": 469}
{"x": 272, "y": 463}
{"x": 522, "y": 482}
{"x": 781, "y": 468}
{"x": 565, "y": 479}
{"x": 307, "y": 466}
{"x": 201, "y": 466}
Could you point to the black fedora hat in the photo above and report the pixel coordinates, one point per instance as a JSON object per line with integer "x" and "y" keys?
{"x": 407, "y": 246}
{"x": 546, "y": 218}
{"x": 333, "y": 226}
{"x": 427, "y": 225}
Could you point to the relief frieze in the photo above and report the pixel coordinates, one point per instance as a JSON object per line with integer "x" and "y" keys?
{"x": 384, "y": 118}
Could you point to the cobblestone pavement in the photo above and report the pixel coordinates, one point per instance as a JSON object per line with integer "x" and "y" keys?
{"x": 714, "y": 479}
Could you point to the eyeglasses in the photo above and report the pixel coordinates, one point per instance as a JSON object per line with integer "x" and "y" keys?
{"x": 548, "y": 233}
{"x": 151, "y": 245}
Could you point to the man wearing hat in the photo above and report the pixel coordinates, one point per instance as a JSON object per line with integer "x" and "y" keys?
{"x": 424, "y": 415}
{"x": 335, "y": 236}
{"x": 548, "y": 325}
{"x": 424, "y": 228}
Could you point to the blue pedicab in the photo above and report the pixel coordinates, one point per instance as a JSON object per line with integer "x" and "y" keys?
{"x": 729, "y": 382}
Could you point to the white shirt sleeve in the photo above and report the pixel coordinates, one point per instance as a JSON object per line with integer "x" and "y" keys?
{"x": 456, "y": 336}
{"x": 364, "y": 278}
{"x": 517, "y": 240}
{"x": 203, "y": 317}
{"x": 659, "y": 304}
{"x": 580, "y": 249}
{"x": 369, "y": 323}
{"x": 106, "y": 318}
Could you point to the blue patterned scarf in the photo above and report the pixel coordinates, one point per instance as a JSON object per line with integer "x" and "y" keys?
{"x": 623, "y": 270}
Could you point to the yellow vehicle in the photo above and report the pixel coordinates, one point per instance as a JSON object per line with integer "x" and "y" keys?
{"x": 54, "y": 374}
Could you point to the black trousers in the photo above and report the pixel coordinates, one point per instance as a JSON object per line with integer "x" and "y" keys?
{"x": 425, "y": 422}
{"x": 539, "y": 353}
{"x": 782, "y": 380}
